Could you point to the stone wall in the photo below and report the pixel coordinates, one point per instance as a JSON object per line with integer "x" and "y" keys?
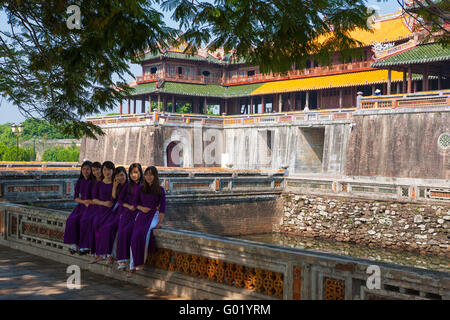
{"x": 423, "y": 228}
{"x": 398, "y": 143}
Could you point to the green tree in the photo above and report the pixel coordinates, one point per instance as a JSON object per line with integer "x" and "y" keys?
{"x": 6, "y": 135}
{"x": 185, "y": 108}
{"x": 271, "y": 34}
{"x": 61, "y": 154}
{"x": 64, "y": 74}
{"x": 10, "y": 154}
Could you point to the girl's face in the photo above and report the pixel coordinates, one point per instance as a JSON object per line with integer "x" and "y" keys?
{"x": 121, "y": 177}
{"x": 149, "y": 177}
{"x": 96, "y": 172}
{"x": 107, "y": 173}
{"x": 86, "y": 171}
{"x": 135, "y": 175}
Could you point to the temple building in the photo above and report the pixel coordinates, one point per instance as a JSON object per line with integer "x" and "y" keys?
{"x": 172, "y": 81}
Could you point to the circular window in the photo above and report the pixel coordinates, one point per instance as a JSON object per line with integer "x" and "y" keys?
{"x": 444, "y": 141}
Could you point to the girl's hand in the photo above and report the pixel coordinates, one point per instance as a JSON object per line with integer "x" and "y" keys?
{"x": 145, "y": 210}
{"x": 159, "y": 225}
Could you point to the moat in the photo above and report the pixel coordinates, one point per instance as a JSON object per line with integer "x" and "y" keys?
{"x": 353, "y": 250}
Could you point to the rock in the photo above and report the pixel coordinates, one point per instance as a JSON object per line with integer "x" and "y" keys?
{"x": 418, "y": 219}
{"x": 440, "y": 221}
{"x": 422, "y": 227}
{"x": 419, "y": 236}
{"x": 371, "y": 232}
{"x": 446, "y": 218}
{"x": 406, "y": 227}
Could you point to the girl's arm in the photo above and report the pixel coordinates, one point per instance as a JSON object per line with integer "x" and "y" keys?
{"x": 162, "y": 208}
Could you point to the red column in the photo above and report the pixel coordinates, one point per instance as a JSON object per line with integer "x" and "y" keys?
{"x": 263, "y": 105}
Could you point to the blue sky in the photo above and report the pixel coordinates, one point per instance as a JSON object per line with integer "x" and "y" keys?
{"x": 9, "y": 112}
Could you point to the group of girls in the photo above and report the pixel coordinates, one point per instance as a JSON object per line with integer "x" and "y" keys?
{"x": 116, "y": 213}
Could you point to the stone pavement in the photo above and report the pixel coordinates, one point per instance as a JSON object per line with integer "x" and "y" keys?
{"x": 29, "y": 277}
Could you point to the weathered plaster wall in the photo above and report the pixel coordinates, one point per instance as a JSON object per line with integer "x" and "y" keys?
{"x": 398, "y": 145}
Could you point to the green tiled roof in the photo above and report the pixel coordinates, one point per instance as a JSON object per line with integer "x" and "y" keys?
{"x": 190, "y": 57}
{"x": 202, "y": 90}
{"x": 427, "y": 53}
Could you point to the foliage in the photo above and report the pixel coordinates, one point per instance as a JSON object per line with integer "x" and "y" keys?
{"x": 63, "y": 74}
{"x": 61, "y": 154}
{"x": 431, "y": 15}
{"x": 185, "y": 108}
{"x": 10, "y": 153}
{"x": 271, "y": 34}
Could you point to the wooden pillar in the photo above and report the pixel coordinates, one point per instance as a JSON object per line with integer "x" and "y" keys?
{"x": 252, "y": 110}
{"x": 389, "y": 83}
{"x": 129, "y": 106}
{"x": 409, "y": 80}
{"x": 307, "y": 99}
{"x": 280, "y": 102}
{"x": 143, "y": 105}
{"x": 340, "y": 97}
{"x": 174, "y": 109}
{"x": 150, "y": 103}
{"x": 415, "y": 87}
{"x": 292, "y": 101}
{"x": 205, "y": 106}
{"x": 159, "y": 102}
{"x": 134, "y": 106}
{"x": 165, "y": 103}
{"x": 404, "y": 81}
{"x": 398, "y": 87}
{"x": 440, "y": 82}
{"x": 120, "y": 106}
{"x": 226, "y": 106}
{"x": 263, "y": 105}
{"x": 425, "y": 79}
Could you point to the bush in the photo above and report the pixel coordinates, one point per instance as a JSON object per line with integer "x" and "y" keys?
{"x": 61, "y": 154}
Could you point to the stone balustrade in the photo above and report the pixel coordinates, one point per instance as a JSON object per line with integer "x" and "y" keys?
{"x": 200, "y": 266}
{"x": 413, "y": 100}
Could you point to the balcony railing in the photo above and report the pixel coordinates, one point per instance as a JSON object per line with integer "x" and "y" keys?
{"x": 411, "y": 100}
{"x": 293, "y": 74}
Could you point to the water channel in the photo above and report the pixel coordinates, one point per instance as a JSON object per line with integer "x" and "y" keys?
{"x": 354, "y": 250}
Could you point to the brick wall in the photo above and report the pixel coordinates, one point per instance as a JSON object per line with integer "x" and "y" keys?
{"x": 228, "y": 217}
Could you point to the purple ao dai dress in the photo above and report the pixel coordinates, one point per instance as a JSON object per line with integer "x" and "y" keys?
{"x": 142, "y": 239}
{"x": 126, "y": 221}
{"x": 83, "y": 188}
{"x": 107, "y": 232}
{"x": 87, "y": 239}
{"x": 104, "y": 214}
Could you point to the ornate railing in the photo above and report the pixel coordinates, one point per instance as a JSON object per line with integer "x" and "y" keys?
{"x": 208, "y": 266}
{"x": 25, "y": 184}
{"x": 236, "y": 80}
{"x": 413, "y": 100}
{"x": 250, "y": 119}
{"x": 383, "y": 188}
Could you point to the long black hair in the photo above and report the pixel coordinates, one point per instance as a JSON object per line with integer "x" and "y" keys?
{"x": 86, "y": 163}
{"x": 109, "y": 165}
{"x": 141, "y": 176}
{"x": 155, "y": 187}
{"x": 97, "y": 164}
{"x": 116, "y": 172}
